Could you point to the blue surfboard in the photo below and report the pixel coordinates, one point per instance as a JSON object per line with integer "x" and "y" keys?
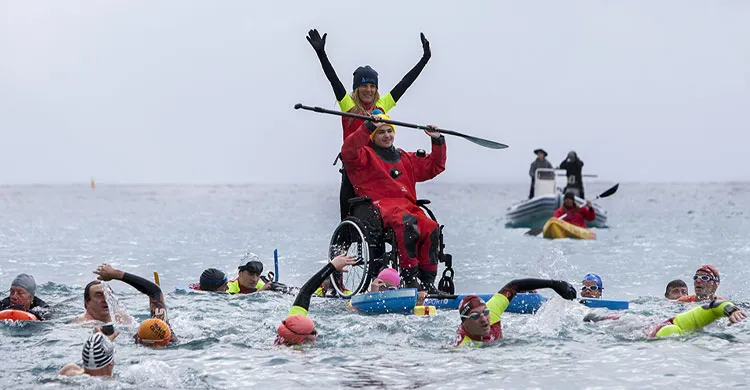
{"x": 391, "y": 301}
{"x": 522, "y": 303}
{"x": 605, "y": 303}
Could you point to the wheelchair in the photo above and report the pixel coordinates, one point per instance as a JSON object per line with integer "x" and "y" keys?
{"x": 362, "y": 236}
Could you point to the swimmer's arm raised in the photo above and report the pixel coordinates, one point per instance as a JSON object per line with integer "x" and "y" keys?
{"x": 155, "y": 296}
{"x": 564, "y": 289}
{"x": 308, "y": 289}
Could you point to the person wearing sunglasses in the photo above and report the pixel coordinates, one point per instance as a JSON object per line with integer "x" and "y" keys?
{"x": 297, "y": 327}
{"x": 592, "y": 286}
{"x": 705, "y": 283}
{"x": 480, "y": 320}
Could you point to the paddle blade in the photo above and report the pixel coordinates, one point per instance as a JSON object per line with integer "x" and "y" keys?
{"x": 479, "y": 141}
{"x": 534, "y": 232}
{"x": 610, "y": 191}
{"x": 298, "y": 106}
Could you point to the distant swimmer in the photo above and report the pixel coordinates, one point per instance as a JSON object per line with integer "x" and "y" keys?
{"x": 480, "y": 320}
{"x": 97, "y": 357}
{"x": 706, "y": 282}
{"x": 592, "y": 286}
{"x": 96, "y": 306}
{"x": 364, "y": 99}
{"x": 22, "y": 297}
{"x": 539, "y": 162}
{"x": 676, "y": 289}
{"x": 574, "y": 214}
{"x": 248, "y": 278}
{"x": 156, "y": 330}
{"x": 211, "y": 279}
{"x": 573, "y": 167}
{"x": 297, "y": 327}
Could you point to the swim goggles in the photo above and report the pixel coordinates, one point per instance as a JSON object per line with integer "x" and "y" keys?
{"x": 387, "y": 288}
{"x": 704, "y": 278}
{"x": 593, "y": 287}
{"x": 475, "y": 315}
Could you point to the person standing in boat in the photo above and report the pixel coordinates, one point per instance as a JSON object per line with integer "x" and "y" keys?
{"x": 388, "y": 176}
{"x": 574, "y": 214}
{"x": 540, "y": 162}
{"x": 573, "y": 167}
{"x": 363, "y": 99}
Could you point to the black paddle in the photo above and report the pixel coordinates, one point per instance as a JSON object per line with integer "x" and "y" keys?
{"x": 479, "y": 141}
{"x": 609, "y": 192}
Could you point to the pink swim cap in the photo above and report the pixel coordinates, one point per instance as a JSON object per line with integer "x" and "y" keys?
{"x": 390, "y": 275}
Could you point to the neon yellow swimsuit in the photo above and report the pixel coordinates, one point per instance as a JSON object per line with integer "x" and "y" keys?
{"x": 385, "y": 102}
{"x": 693, "y": 319}
{"x": 497, "y": 305}
{"x": 233, "y": 287}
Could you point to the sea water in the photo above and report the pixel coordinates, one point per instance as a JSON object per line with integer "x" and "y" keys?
{"x": 658, "y": 232}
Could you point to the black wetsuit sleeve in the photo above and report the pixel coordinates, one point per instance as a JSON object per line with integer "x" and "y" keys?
{"x": 513, "y": 287}
{"x": 408, "y": 79}
{"x": 5, "y": 303}
{"x": 40, "y": 309}
{"x": 338, "y": 88}
{"x": 308, "y": 289}
{"x": 155, "y": 296}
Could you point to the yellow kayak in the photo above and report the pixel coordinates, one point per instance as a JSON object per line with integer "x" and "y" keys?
{"x": 556, "y": 228}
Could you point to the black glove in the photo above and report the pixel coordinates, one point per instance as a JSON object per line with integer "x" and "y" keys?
{"x": 318, "y": 43}
{"x": 565, "y": 289}
{"x": 425, "y": 45}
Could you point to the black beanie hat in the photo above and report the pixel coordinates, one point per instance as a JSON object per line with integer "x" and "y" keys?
{"x": 365, "y": 74}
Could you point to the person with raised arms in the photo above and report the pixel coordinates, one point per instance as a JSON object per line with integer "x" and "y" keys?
{"x": 156, "y": 330}
{"x": 481, "y": 321}
{"x": 96, "y": 306}
{"x": 388, "y": 176}
{"x": 97, "y": 356}
{"x": 363, "y": 99}
{"x": 297, "y": 327}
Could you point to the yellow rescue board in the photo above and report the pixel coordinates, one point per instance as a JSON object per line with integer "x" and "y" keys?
{"x": 556, "y": 228}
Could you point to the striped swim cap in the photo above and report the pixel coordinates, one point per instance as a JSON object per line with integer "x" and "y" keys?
{"x": 98, "y": 352}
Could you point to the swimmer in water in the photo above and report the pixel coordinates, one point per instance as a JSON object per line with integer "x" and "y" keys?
{"x": 706, "y": 282}
{"x": 211, "y": 279}
{"x": 592, "y": 286}
{"x": 480, "y": 320}
{"x": 155, "y": 331}
{"x": 297, "y": 327}
{"x": 388, "y": 279}
{"x": 97, "y": 356}
{"x": 676, "y": 289}
{"x": 95, "y": 304}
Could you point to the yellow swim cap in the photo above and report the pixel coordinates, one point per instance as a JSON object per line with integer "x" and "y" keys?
{"x": 154, "y": 332}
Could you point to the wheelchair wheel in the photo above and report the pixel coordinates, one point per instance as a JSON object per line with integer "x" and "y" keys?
{"x": 349, "y": 238}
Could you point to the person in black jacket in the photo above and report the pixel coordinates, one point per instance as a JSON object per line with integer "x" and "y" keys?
{"x": 22, "y": 297}
{"x": 539, "y": 162}
{"x": 573, "y": 167}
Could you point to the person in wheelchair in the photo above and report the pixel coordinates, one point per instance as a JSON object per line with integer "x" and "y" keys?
{"x": 388, "y": 176}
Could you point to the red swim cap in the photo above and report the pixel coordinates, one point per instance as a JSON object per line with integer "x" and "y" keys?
{"x": 295, "y": 328}
{"x": 468, "y": 303}
{"x": 710, "y": 269}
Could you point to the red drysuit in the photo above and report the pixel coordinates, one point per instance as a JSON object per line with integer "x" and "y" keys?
{"x": 577, "y": 216}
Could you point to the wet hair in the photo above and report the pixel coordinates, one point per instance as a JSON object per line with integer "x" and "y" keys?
{"x": 87, "y": 290}
{"x": 673, "y": 284}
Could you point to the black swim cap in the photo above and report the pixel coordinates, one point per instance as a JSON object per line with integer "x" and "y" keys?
{"x": 212, "y": 279}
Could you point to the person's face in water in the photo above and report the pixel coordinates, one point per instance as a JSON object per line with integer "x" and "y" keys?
{"x": 479, "y": 327}
{"x": 378, "y": 285}
{"x": 19, "y": 296}
{"x": 248, "y": 279}
{"x": 587, "y": 292}
{"x": 96, "y": 305}
{"x": 704, "y": 288}
{"x": 384, "y": 136}
{"x": 677, "y": 292}
{"x": 568, "y": 203}
{"x": 367, "y": 92}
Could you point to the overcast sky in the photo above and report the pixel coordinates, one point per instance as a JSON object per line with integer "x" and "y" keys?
{"x": 202, "y": 92}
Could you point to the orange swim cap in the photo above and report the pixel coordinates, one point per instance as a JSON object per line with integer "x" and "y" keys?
{"x": 294, "y": 329}
{"x": 154, "y": 332}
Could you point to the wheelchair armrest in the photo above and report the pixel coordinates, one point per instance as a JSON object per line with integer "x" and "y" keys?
{"x": 422, "y": 202}
{"x": 360, "y": 199}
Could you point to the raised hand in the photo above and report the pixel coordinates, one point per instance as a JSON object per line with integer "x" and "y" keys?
{"x": 341, "y": 261}
{"x": 425, "y": 46}
{"x": 318, "y": 43}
